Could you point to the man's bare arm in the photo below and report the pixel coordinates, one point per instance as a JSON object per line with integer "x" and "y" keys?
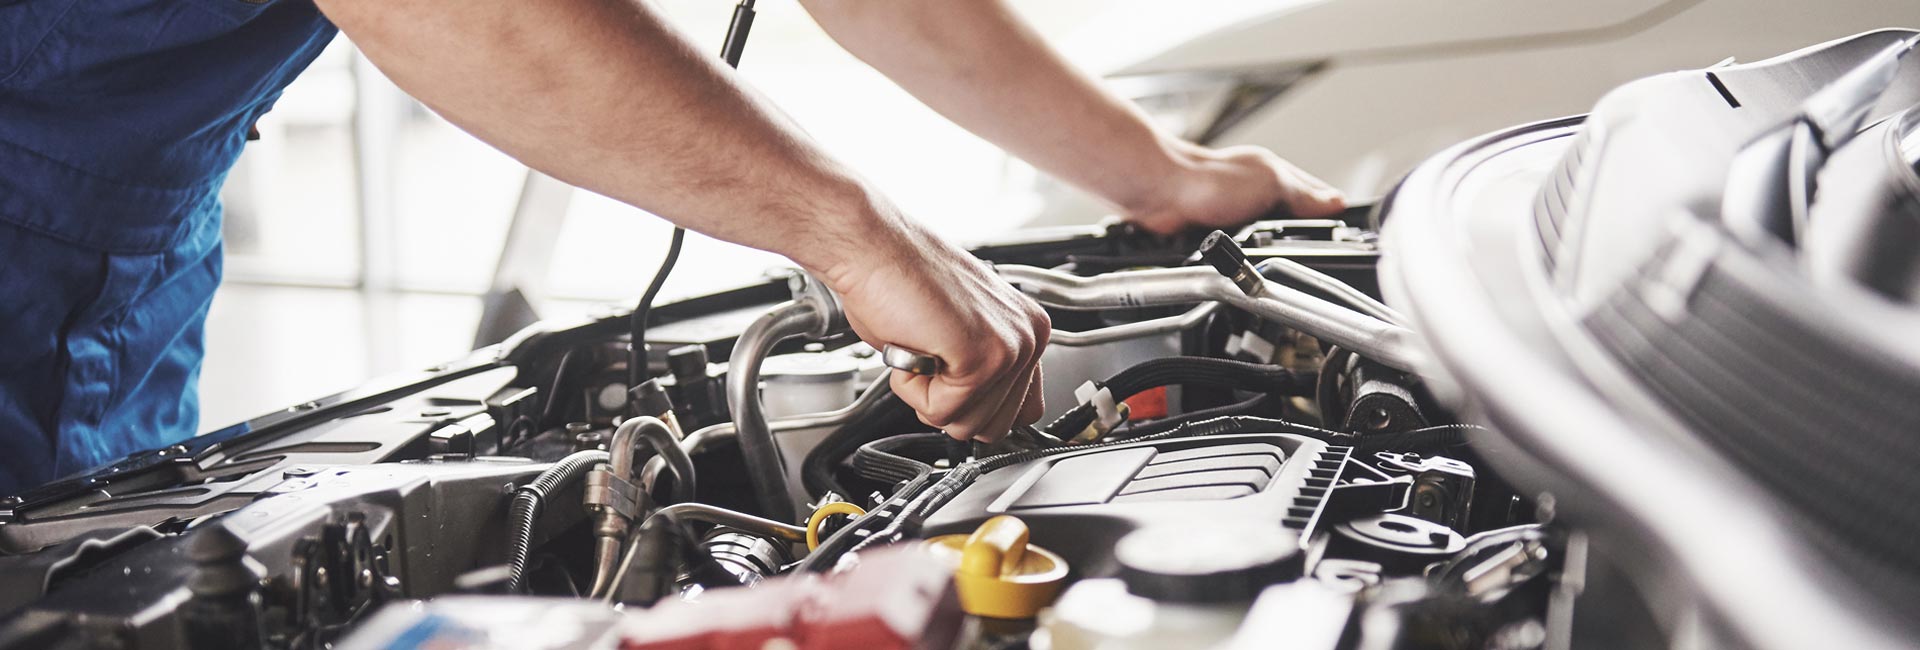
{"x": 980, "y": 65}
{"x": 604, "y": 95}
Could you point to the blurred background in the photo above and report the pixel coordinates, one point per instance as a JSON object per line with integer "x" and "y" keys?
{"x": 363, "y": 231}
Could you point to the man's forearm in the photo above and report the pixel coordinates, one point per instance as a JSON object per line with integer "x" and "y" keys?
{"x": 980, "y": 65}
{"x": 604, "y": 95}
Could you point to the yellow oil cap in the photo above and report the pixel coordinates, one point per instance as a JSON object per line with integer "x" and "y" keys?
{"x": 997, "y": 573}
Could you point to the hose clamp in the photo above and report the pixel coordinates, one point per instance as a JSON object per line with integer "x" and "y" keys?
{"x": 609, "y": 493}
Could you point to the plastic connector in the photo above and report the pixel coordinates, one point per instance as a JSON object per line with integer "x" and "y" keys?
{"x": 1219, "y": 251}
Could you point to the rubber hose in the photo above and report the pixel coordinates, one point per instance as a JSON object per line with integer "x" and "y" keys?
{"x": 890, "y": 414}
{"x": 1173, "y": 371}
{"x": 887, "y": 461}
{"x": 523, "y": 512}
{"x": 1326, "y": 391}
{"x": 1446, "y": 435}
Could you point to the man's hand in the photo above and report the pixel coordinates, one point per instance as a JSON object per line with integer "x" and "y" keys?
{"x": 978, "y": 64}
{"x": 906, "y": 287}
{"x": 1221, "y": 188}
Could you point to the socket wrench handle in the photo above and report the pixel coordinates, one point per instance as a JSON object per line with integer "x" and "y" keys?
{"x": 910, "y": 360}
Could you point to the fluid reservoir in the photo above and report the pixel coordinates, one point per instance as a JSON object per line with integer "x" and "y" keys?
{"x": 808, "y": 382}
{"x": 1179, "y": 587}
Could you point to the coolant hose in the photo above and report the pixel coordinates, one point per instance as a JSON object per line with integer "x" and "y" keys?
{"x": 523, "y": 512}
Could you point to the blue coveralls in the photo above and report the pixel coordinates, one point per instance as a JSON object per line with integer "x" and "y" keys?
{"x": 119, "y": 119}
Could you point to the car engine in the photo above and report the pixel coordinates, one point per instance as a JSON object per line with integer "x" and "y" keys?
{"x": 1603, "y": 381}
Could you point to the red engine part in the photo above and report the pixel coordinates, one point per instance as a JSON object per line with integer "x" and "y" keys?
{"x": 895, "y": 598}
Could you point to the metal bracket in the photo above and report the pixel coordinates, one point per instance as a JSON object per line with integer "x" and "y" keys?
{"x": 609, "y": 493}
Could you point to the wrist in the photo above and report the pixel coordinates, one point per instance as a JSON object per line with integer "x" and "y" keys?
{"x": 850, "y": 237}
{"x": 1165, "y": 193}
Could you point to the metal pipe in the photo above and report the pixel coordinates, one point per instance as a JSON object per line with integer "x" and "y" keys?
{"x": 613, "y": 523}
{"x": 765, "y": 469}
{"x": 606, "y": 558}
{"x": 733, "y": 519}
{"x": 1332, "y": 286}
{"x": 656, "y": 435}
{"x": 1381, "y": 341}
{"x": 1134, "y": 330}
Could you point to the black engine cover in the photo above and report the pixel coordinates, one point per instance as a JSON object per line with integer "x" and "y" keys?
{"x": 1080, "y": 504}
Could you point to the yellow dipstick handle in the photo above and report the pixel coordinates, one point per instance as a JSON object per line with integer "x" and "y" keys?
{"x": 998, "y": 573}
{"x": 821, "y": 514}
{"x": 995, "y": 548}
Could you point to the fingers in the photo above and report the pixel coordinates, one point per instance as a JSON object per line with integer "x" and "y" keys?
{"x": 991, "y": 411}
{"x": 993, "y": 387}
{"x": 1034, "y": 406}
{"x": 1307, "y": 196}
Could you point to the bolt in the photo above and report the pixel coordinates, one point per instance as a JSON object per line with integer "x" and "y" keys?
{"x": 1379, "y": 418}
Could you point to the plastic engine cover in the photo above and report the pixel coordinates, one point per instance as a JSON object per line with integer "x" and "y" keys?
{"x": 1080, "y": 504}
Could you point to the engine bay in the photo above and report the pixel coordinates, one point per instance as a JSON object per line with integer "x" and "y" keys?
{"x": 524, "y": 472}
{"x": 1246, "y": 445}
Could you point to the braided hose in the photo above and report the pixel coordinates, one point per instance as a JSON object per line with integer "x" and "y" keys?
{"x": 523, "y": 512}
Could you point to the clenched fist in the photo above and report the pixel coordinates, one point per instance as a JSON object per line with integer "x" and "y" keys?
{"x": 910, "y": 288}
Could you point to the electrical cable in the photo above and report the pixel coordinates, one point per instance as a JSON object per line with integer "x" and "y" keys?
{"x": 730, "y": 51}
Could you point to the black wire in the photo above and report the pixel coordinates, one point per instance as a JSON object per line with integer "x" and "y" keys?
{"x": 730, "y": 50}
{"x": 637, "y": 326}
{"x": 553, "y": 394}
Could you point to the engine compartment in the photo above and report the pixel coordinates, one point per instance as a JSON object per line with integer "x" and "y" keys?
{"x": 292, "y": 530}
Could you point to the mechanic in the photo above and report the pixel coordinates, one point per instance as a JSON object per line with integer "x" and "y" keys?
{"x": 120, "y": 118}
